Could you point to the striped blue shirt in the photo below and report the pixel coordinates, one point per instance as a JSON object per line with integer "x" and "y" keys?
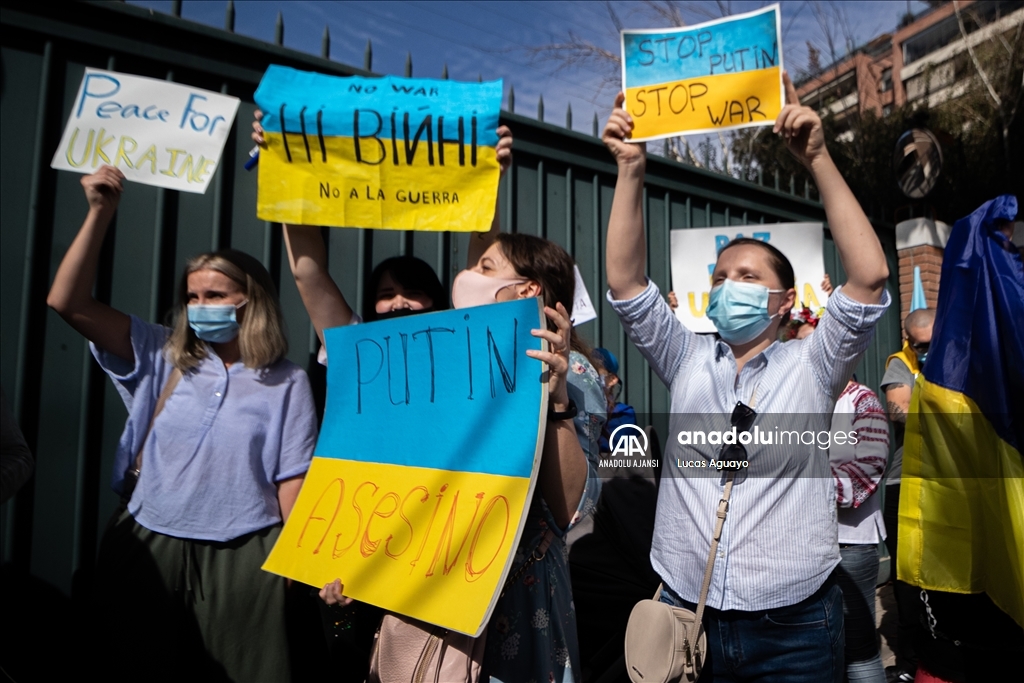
{"x": 779, "y": 543}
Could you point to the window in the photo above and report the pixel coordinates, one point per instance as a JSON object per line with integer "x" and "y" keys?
{"x": 885, "y": 82}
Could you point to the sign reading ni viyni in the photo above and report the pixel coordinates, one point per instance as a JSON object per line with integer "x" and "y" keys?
{"x": 722, "y": 74}
{"x": 426, "y": 463}
{"x": 695, "y": 252}
{"x": 391, "y": 153}
{"x": 157, "y": 132}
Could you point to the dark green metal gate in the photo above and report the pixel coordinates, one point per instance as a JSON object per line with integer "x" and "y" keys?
{"x": 560, "y": 187}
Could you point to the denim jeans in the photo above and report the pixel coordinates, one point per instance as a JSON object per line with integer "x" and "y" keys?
{"x": 801, "y": 643}
{"x": 857, "y": 575}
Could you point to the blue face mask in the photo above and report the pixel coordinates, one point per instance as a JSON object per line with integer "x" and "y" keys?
{"x": 739, "y": 310}
{"x": 214, "y": 323}
{"x": 922, "y": 357}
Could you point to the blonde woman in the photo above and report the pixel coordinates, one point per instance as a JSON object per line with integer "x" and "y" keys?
{"x": 220, "y": 432}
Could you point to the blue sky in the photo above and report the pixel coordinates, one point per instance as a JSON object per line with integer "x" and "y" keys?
{"x": 492, "y": 39}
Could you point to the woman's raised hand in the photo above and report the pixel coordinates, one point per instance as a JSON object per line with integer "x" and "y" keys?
{"x": 557, "y": 355}
{"x": 257, "y": 129}
{"x": 616, "y": 133}
{"x": 331, "y": 594}
{"x": 504, "y": 148}
{"x": 103, "y": 189}
{"x": 800, "y": 127}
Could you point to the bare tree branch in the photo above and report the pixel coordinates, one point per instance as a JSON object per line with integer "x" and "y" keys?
{"x": 974, "y": 58}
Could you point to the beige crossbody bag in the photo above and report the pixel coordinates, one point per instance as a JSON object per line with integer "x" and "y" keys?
{"x": 665, "y": 644}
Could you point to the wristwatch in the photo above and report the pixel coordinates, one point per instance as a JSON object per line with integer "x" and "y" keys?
{"x": 567, "y": 414}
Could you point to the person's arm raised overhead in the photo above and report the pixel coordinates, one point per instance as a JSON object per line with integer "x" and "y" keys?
{"x": 855, "y": 239}
{"x": 626, "y": 260}
{"x": 71, "y": 293}
{"x": 480, "y": 241}
{"x": 307, "y": 257}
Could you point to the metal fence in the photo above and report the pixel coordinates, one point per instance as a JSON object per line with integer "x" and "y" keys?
{"x": 560, "y": 187}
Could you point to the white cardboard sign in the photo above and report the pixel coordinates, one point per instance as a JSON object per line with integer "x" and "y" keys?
{"x": 695, "y": 251}
{"x": 157, "y": 132}
{"x": 583, "y": 310}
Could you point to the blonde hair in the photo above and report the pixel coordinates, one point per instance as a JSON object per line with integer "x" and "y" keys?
{"x": 261, "y": 338}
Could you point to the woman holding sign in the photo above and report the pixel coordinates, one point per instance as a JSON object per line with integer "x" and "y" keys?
{"x": 774, "y": 609}
{"x": 532, "y": 633}
{"x": 220, "y": 432}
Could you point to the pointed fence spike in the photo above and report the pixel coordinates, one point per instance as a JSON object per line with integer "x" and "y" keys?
{"x": 792, "y": 184}
{"x": 176, "y": 8}
{"x": 568, "y": 117}
{"x": 595, "y": 124}
{"x": 229, "y": 17}
{"x": 511, "y": 99}
{"x": 279, "y": 30}
{"x": 540, "y": 108}
{"x": 480, "y": 78}
{"x": 325, "y": 43}
{"x": 666, "y": 148}
{"x": 444, "y": 73}
{"x": 368, "y": 56}
{"x": 408, "y": 65}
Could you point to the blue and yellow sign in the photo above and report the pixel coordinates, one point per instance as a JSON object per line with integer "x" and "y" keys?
{"x": 714, "y": 76}
{"x": 388, "y": 153}
{"x": 426, "y": 463}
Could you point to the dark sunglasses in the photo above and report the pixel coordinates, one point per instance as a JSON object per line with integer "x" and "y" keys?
{"x": 921, "y": 347}
{"x": 742, "y": 419}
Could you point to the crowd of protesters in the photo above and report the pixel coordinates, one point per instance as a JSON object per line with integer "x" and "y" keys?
{"x": 221, "y": 431}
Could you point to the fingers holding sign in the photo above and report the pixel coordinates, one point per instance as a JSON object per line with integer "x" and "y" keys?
{"x": 617, "y": 133}
{"x": 557, "y": 355}
{"x": 331, "y": 594}
{"x": 503, "y": 149}
{"x": 800, "y": 127}
{"x": 257, "y": 129}
{"x": 103, "y": 189}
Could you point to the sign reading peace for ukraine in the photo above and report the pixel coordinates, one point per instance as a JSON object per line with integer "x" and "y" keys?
{"x": 695, "y": 252}
{"x": 157, "y": 132}
{"x": 714, "y": 76}
{"x": 391, "y": 153}
{"x": 426, "y": 463}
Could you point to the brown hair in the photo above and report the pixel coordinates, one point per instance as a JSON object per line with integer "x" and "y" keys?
{"x": 261, "y": 338}
{"x": 551, "y": 267}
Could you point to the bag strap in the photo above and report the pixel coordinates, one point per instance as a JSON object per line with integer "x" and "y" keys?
{"x": 720, "y": 514}
{"x": 538, "y": 554}
{"x": 172, "y": 381}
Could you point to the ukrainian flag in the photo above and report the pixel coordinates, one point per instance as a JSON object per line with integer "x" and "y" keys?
{"x": 385, "y": 153}
{"x": 962, "y": 503}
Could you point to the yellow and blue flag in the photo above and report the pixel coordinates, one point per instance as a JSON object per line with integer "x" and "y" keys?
{"x": 962, "y": 503}
{"x": 387, "y": 153}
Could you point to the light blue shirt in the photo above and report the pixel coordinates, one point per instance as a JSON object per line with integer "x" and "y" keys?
{"x": 779, "y": 543}
{"x": 224, "y": 439}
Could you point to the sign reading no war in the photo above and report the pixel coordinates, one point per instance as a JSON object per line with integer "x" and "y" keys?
{"x": 426, "y": 463}
{"x": 695, "y": 252}
{"x": 158, "y": 133}
{"x": 718, "y": 75}
{"x": 391, "y": 153}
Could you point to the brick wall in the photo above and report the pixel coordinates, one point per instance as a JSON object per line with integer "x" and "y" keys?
{"x": 929, "y": 258}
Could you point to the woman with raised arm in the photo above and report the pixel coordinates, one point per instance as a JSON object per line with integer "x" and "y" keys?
{"x": 220, "y": 433}
{"x": 532, "y": 632}
{"x": 773, "y": 607}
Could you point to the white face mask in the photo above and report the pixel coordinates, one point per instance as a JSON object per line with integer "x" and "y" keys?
{"x": 474, "y": 289}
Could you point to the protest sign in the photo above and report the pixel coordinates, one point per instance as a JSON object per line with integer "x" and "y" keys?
{"x": 391, "y": 153}
{"x": 426, "y": 463}
{"x": 709, "y": 77}
{"x": 583, "y": 310}
{"x": 157, "y": 132}
{"x": 694, "y": 253}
